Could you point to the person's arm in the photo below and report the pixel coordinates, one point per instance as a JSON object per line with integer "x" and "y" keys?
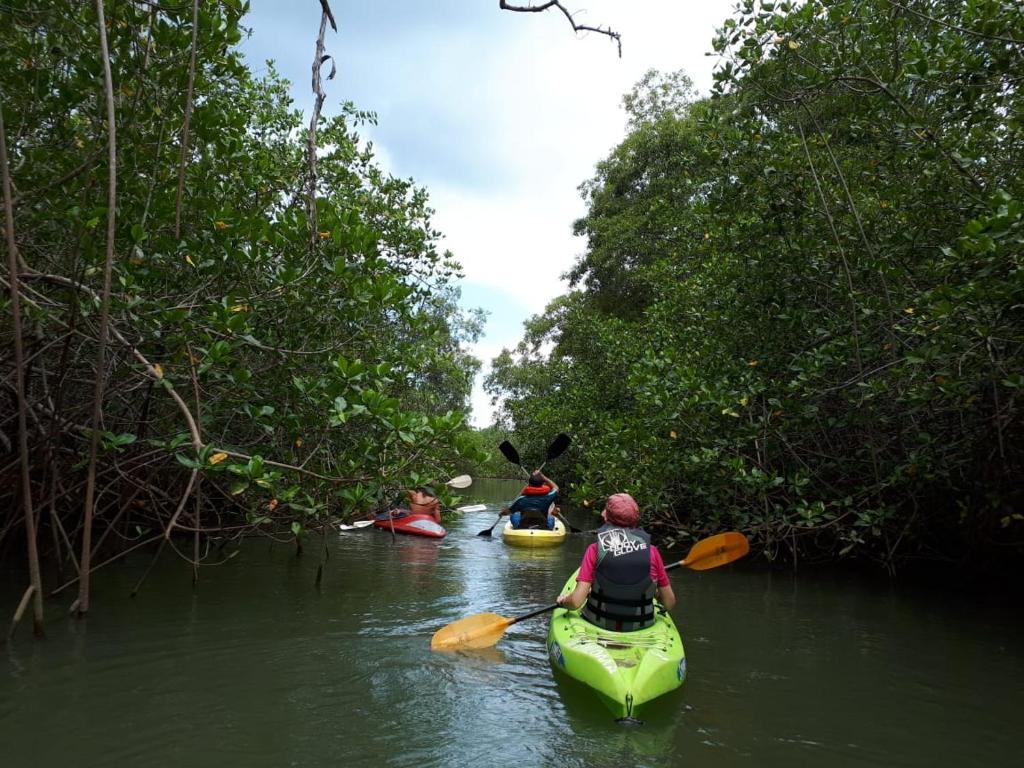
{"x": 584, "y": 578}
{"x": 549, "y": 481}
{"x": 660, "y": 576}
{"x": 667, "y": 597}
{"x": 577, "y": 597}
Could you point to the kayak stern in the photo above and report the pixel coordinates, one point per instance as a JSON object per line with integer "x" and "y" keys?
{"x": 626, "y": 669}
{"x": 533, "y": 537}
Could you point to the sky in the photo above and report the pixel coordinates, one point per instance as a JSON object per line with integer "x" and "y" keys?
{"x": 499, "y": 115}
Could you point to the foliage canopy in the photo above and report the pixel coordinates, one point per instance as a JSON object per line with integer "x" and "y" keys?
{"x": 799, "y": 312}
{"x": 320, "y": 377}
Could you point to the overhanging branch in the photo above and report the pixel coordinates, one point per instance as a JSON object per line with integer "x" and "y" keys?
{"x": 576, "y": 27}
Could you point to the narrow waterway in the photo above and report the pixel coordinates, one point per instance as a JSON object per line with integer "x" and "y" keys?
{"x": 258, "y": 668}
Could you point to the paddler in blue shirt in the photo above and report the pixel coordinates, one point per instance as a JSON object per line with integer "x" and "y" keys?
{"x": 535, "y": 505}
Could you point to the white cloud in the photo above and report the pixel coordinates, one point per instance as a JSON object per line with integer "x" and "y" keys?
{"x": 509, "y": 241}
{"x": 483, "y": 414}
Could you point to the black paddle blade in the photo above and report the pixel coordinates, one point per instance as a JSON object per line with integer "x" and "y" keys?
{"x": 509, "y": 452}
{"x": 558, "y": 446}
{"x": 487, "y": 532}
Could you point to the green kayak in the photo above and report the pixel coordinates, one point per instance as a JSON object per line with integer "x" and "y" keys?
{"x": 627, "y": 669}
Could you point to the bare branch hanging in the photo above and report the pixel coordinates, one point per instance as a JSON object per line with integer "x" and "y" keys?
{"x": 318, "y": 61}
{"x": 615, "y": 36}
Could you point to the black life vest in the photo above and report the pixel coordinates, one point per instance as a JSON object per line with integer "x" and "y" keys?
{"x": 622, "y": 596}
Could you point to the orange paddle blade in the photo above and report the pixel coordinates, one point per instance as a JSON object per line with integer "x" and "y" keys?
{"x": 716, "y": 550}
{"x": 481, "y": 630}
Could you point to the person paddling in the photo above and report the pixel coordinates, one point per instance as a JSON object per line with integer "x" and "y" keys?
{"x": 421, "y": 500}
{"x": 621, "y": 573}
{"x": 535, "y": 505}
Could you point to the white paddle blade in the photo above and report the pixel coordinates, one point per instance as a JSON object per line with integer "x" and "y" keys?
{"x": 462, "y": 481}
{"x": 473, "y": 508}
{"x": 357, "y": 524}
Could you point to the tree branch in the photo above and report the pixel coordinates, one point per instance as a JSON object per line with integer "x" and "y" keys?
{"x": 318, "y": 61}
{"x": 503, "y": 5}
{"x": 35, "y": 582}
{"x": 101, "y": 353}
{"x": 947, "y": 25}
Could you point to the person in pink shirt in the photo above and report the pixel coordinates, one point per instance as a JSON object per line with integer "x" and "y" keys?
{"x": 621, "y": 573}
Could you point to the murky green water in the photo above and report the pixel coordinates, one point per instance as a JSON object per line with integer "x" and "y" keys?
{"x": 257, "y": 668}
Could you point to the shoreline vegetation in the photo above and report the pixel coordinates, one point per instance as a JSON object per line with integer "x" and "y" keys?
{"x": 230, "y": 322}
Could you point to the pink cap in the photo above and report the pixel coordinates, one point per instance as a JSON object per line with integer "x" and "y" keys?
{"x": 622, "y": 510}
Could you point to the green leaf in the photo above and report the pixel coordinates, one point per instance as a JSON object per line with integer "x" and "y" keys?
{"x": 185, "y": 461}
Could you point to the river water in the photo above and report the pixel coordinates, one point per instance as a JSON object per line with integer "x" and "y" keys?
{"x": 257, "y": 667}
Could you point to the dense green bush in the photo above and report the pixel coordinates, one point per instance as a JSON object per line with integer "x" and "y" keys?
{"x": 321, "y": 374}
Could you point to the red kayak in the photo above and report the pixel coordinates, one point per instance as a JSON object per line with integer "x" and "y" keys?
{"x": 416, "y": 525}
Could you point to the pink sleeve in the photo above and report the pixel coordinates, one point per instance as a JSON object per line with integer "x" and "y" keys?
{"x": 658, "y": 573}
{"x": 588, "y": 565}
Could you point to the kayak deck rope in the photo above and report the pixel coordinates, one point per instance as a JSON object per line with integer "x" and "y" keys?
{"x": 618, "y": 643}
{"x": 655, "y": 643}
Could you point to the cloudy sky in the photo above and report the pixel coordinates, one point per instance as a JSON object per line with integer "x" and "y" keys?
{"x": 500, "y": 115}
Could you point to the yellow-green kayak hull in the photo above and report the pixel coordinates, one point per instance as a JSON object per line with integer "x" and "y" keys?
{"x": 626, "y": 669}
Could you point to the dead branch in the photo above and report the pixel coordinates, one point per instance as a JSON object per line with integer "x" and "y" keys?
{"x": 20, "y": 611}
{"x": 617, "y": 37}
{"x": 318, "y": 61}
{"x": 23, "y": 409}
{"x": 330, "y": 16}
{"x": 97, "y": 407}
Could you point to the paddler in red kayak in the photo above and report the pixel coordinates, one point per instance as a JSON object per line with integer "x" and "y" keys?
{"x": 535, "y": 505}
{"x": 421, "y": 500}
{"x": 621, "y": 573}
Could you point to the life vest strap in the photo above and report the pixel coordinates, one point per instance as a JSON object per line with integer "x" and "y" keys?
{"x": 645, "y": 613}
{"x": 607, "y": 600}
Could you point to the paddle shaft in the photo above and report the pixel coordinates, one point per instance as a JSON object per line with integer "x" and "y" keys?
{"x": 552, "y": 607}
{"x": 485, "y": 629}
{"x": 546, "y": 608}
{"x": 572, "y": 528}
{"x": 537, "y": 612}
{"x": 487, "y": 531}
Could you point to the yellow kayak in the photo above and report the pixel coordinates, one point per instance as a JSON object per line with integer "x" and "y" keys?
{"x": 533, "y": 537}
